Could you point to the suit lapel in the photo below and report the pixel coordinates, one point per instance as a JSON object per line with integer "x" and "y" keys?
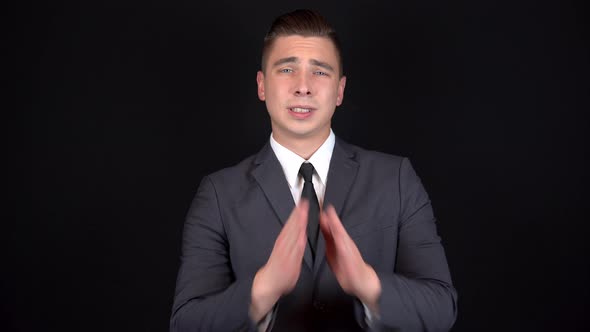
{"x": 341, "y": 176}
{"x": 271, "y": 179}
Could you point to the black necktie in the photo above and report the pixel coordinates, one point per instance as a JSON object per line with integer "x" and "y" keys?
{"x": 308, "y": 193}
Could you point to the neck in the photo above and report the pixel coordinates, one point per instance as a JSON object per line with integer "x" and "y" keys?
{"x": 304, "y": 147}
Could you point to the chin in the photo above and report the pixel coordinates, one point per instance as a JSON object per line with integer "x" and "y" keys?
{"x": 306, "y": 133}
{"x": 299, "y": 130}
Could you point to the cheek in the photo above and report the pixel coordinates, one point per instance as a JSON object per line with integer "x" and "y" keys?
{"x": 332, "y": 98}
{"x": 273, "y": 102}
{"x": 273, "y": 92}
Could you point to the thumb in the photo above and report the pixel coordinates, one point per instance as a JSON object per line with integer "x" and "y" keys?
{"x": 303, "y": 208}
{"x": 335, "y": 223}
{"x": 325, "y": 225}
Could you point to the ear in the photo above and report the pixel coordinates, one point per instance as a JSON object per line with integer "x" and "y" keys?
{"x": 341, "y": 86}
{"x": 260, "y": 83}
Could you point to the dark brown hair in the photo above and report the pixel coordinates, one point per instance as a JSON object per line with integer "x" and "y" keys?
{"x": 302, "y": 22}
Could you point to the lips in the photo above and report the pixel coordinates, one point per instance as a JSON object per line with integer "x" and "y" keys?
{"x": 301, "y": 111}
{"x": 301, "y": 108}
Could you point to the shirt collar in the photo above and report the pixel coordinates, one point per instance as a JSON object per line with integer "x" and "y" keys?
{"x": 291, "y": 162}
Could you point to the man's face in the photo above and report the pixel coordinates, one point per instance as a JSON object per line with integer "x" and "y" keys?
{"x": 301, "y": 86}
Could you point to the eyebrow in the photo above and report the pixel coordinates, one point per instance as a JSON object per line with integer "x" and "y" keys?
{"x": 291, "y": 59}
{"x": 294, "y": 59}
{"x": 321, "y": 64}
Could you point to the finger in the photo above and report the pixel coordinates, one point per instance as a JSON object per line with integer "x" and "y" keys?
{"x": 298, "y": 213}
{"x": 294, "y": 231}
{"x": 289, "y": 224}
{"x": 341, "y": 238}
{"x": 339, "y": 235}
{"x": 303, "y": 212}
{"x": 287, "y": 239}
{"x": 294, "y": 215}
{"x": 297, "y": 231}
{"x": 301, "y": 243}
{"x": 325, "y": 224}
{"x": 296, "y": 252}
{"x": 335, "y": 223}
{"x": 328, "y": 236}
{"x": 327, "y": 232}
{"x": 300, "y": 221}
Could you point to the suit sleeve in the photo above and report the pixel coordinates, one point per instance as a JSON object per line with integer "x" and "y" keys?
{"x": 418, "y": 295}
{"x": 208, "y": 297}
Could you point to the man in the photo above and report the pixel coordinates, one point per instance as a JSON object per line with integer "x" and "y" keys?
{"x": 258, "y": 252}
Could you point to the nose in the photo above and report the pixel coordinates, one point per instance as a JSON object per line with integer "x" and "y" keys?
{"x": 302, "y": 86}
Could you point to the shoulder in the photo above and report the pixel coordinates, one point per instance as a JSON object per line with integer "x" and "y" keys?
{"x": 370, "y": 158}
{"x": 241, "y": 175}
{"x": 232, "y": 175}
{"x": 380, "y": 166}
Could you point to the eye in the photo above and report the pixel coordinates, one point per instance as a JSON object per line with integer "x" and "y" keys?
{"x": 320, "y": 73}
{"x": 286, "y": 70}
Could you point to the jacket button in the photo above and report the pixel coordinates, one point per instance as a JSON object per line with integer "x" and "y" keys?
{"x": 319, "y": 306}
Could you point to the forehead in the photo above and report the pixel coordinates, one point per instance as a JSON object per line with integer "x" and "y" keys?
{"x": 319, "y": 48}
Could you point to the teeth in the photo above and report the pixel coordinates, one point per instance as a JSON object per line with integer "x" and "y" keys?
{"x": 300, "y": 110}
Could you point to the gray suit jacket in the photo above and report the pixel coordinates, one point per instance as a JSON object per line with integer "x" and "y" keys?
{"x": 238, "y": 213}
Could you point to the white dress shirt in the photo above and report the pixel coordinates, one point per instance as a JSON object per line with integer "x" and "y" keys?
{"x": 291, "y": 162}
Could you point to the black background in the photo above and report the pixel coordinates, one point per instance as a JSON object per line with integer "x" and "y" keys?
{"x": 129, "y": 104}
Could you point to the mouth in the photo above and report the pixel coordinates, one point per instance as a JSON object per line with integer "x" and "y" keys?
{"x": 300, "y": 110}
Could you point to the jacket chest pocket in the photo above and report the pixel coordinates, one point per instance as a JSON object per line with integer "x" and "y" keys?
{"x": 376, "y": 241}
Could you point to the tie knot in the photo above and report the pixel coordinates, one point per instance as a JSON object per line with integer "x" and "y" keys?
{"x": 306, "y": 171}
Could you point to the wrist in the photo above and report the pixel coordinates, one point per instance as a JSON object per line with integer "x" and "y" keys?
{"x": 371, "y": 290}
{"x": 263, "y": 296}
